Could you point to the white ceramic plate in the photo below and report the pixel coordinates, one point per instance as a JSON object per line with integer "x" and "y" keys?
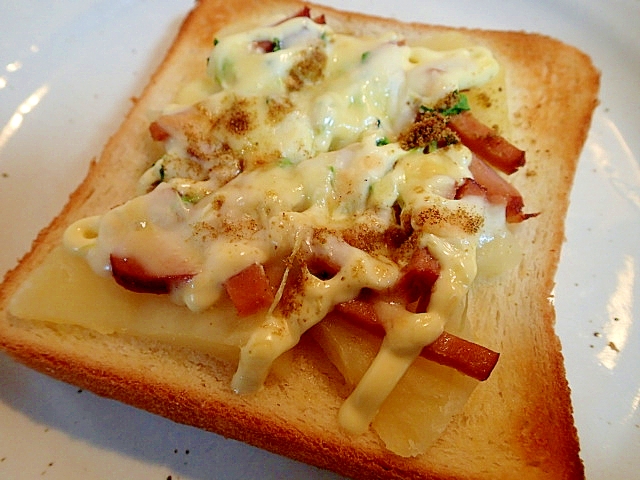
{"x": 67, "y": 72}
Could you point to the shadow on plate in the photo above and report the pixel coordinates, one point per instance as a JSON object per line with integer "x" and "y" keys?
{"x": 109, "y": 425}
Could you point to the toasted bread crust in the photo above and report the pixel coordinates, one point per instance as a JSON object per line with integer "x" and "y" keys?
{"x": 520, "y": 420}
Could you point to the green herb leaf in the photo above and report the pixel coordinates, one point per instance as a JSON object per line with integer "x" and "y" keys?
{"x": 191, "y": 198}
{"x": 432, "y": 147}
{"x": 461, "y": 106}
{"x": 285, "y": 162}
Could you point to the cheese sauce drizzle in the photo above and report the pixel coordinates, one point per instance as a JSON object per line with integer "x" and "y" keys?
{"x": 289, "y": 143}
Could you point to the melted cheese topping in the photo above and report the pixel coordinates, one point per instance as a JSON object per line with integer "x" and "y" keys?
{"x": 278, "y": 158}
{"x": 320, "y": 91}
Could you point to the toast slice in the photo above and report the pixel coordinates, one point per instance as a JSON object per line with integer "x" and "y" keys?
{"x": 520, "y": 420}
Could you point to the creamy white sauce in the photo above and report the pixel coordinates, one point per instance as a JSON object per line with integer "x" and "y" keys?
{"x": 368, "y": 84}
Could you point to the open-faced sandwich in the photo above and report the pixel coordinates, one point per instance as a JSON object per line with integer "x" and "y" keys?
{"x": 330, "y": 235}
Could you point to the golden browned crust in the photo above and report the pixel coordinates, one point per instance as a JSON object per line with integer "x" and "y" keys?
{"x": 518, "y": 421}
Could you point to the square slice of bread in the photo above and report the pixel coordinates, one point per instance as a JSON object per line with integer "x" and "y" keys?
{"x": 517, "y": 424}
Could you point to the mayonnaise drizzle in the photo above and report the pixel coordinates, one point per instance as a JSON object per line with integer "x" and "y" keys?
{"x": 330, "y": 173}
